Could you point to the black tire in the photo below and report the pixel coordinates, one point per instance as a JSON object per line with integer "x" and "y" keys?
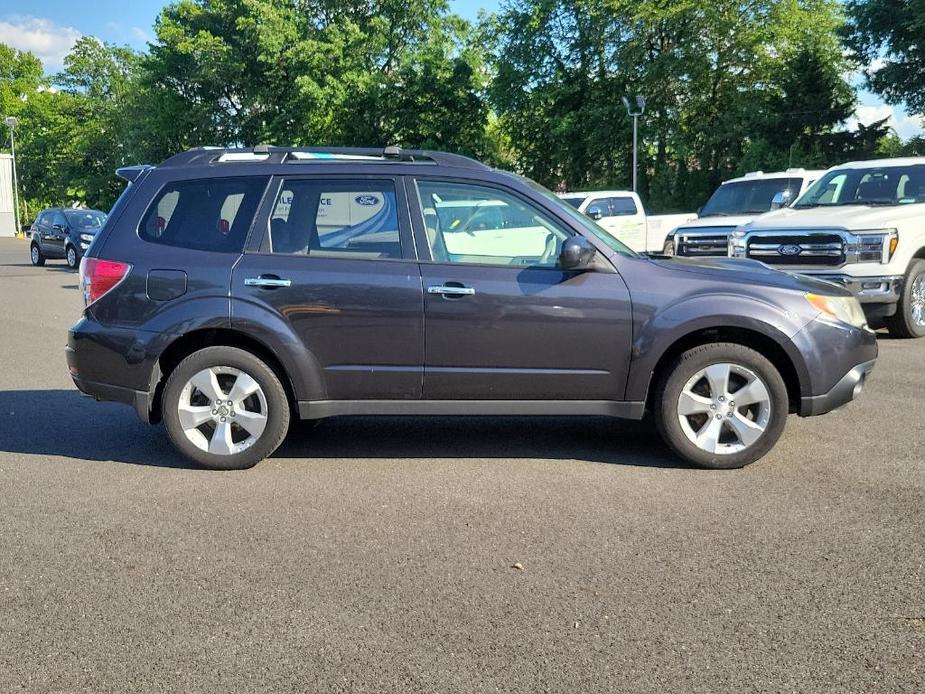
{"x": 71, "y": 258}
{"x": 278, "y": 410}
{"x": 902, "y": 324}
{"x": 36, "y": 255}
{"x": 683, "y": 369}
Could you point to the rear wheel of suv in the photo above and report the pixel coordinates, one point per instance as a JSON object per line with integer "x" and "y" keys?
{"x": 71, "y": 257}
{"x": 721, "y": 406}
{"x": 909, "y": 319}
{"x": 225, "y": 409}
{"x": 35, "y": 255}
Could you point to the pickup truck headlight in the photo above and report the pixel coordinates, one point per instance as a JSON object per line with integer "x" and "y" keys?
{"x": 873, "y": 246}
{"x": 737, "y": 244}
{"x": 843, "y": 309}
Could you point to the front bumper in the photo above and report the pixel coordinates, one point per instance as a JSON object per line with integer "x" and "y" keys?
{"x": 847, "y": 389}
{"x": 885, "y": 289}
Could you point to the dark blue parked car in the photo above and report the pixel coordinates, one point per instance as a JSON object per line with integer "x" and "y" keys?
{"x": 231, "y": 290}
{"x": 64, "y": 233}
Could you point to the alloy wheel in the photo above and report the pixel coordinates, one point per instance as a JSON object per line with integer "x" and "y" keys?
{"x": 222, "y": 410}
{"x": 724, "y": 408}
{"x": 917, "y": 303}
{"x": 35, "y": 255}
{"x": 71, "y": 257}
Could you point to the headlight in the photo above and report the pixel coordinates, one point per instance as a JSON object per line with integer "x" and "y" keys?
{"x": 86, "y": 237}
{"x": 844, "y": 309}
{"x": 737, "y": 243}
{"x": 872, "y": 246}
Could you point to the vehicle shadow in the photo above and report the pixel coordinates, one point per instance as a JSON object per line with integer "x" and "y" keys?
{"x": 30, "y": 424}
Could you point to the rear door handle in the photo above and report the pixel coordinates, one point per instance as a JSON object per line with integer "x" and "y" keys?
{"x": 267, "y": 282}
{"x": 448, "y": 290}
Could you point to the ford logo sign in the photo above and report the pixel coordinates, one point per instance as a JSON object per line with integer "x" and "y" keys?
{"x": 790, "y": 249}
{"x": 367, "y": 200}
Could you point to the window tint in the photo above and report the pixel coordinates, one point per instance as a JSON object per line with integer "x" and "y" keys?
{"x": 622, "y": 206}
{"x": 477, "y": 224}
{"x": 336, "y": 219}
{"x": 57, "y": 219}
{"x": 208, "y": 215}
{"x": 889, "y": 185}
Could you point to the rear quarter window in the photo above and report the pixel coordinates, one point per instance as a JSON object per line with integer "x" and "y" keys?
{"x": 211, "y": 214}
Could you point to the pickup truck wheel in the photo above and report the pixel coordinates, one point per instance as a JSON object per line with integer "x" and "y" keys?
{"x": 721, "y": 406}
{"x": 225, "y": 409}
{"x": 35, "y": 255}
{"x": 909, "y": 319}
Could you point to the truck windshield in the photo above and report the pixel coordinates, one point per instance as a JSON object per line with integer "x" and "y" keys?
{"x": 885, "y": 185}
{"x": 749, "y": 197}
{"x": 585, "y": 222}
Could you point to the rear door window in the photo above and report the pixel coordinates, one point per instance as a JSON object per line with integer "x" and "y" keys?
{"x": 212, "y": 214}
{"x": 337, "y": 219}
{"x": 621, "y": 207}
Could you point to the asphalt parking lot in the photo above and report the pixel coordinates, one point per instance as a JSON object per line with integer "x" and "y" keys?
{"x": 376, "y": 555}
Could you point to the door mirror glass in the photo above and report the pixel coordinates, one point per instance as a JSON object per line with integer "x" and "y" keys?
{"x": 595, "y": 212}
{"x": 780, "y": 199}
{"x": 577, "y": 253}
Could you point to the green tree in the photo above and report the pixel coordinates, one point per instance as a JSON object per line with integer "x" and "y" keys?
{"x": 889, "y": 37}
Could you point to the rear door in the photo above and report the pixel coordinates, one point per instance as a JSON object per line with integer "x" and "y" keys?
{"x": 626, "y": 221}
{"x": 335, "y": 263}
{"x": 56, "y": 233}
{"x": 502, "y": 321}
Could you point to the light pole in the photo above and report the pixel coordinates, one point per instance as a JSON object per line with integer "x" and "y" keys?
{"x": 11, "y": 122}
{"x": 635, "y": 108}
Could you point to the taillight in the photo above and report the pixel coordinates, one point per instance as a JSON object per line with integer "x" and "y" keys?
{"x": 98, "y": 277}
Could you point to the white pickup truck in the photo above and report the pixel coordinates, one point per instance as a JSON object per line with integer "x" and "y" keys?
{"x": 736, "y": 202}
{"x": 620, "y": 212}
{"x": 861, "y": 225}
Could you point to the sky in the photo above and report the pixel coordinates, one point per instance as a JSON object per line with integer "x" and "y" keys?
{"x": 49, "y": 28}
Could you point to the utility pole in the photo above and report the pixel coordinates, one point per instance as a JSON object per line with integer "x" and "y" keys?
{"x": 635, "y": 108}
{"x": 11, "y": 122}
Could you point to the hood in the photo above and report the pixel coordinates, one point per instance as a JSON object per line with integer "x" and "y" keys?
{"x": 741, "y": 271}
{"x": 850, "y": 217}
{"x": 716, "y": 222}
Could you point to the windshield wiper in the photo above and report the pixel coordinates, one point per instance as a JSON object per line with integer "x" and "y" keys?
{"x": 715, "y": 214}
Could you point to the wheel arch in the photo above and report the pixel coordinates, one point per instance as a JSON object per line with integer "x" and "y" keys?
{"x": 190, "y": 342}
{"x": 772, "y": 349}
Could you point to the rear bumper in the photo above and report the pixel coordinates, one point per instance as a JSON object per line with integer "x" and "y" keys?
{"x": 112, "y": 365}
{"x": 847, "y": 389}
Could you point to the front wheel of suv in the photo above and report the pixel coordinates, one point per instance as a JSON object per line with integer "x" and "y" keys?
{"x": 225, "y": 409}
{"x": 909, "y": 319}
{"x": 721, "y": 406}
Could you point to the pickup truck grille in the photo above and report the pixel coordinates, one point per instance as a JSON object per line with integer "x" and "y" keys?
{"x": 707, "y": 242}
{"x": 797, "y": 249}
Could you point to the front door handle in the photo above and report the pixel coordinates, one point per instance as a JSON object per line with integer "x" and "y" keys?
{"x": 449, "y": 290}
{"x": 267, "y": 282}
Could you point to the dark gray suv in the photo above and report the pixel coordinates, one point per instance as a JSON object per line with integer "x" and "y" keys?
{"x": 231, "y": 290}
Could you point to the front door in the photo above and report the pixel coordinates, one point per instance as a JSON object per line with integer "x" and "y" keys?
{"x": 502, "y": 322}
{"x": 337, "y": 265}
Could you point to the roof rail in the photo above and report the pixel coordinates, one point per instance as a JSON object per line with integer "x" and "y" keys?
{"x": 281, "y": 155}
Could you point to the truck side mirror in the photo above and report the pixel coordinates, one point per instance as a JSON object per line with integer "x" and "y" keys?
{"x": 595, "y": 212}
{"x": 780, "y": 200}
{"x": 577, "y": 253}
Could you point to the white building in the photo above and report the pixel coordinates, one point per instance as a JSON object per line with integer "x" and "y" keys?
{"x": 7, "y": 222}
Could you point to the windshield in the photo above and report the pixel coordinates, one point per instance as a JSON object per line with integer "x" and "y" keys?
{"x": 749, "y": 197}
{"x": 585, "y": 222}
{"x": 85, "y": 218}
{"x": 886, "y": 185}
{"x": 574, "y": 201}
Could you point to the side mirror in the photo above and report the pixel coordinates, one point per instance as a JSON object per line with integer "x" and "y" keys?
{"x": 595, "y": 212}
{"x": 780, "y": 200}
{"x": 577, "y": 253}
